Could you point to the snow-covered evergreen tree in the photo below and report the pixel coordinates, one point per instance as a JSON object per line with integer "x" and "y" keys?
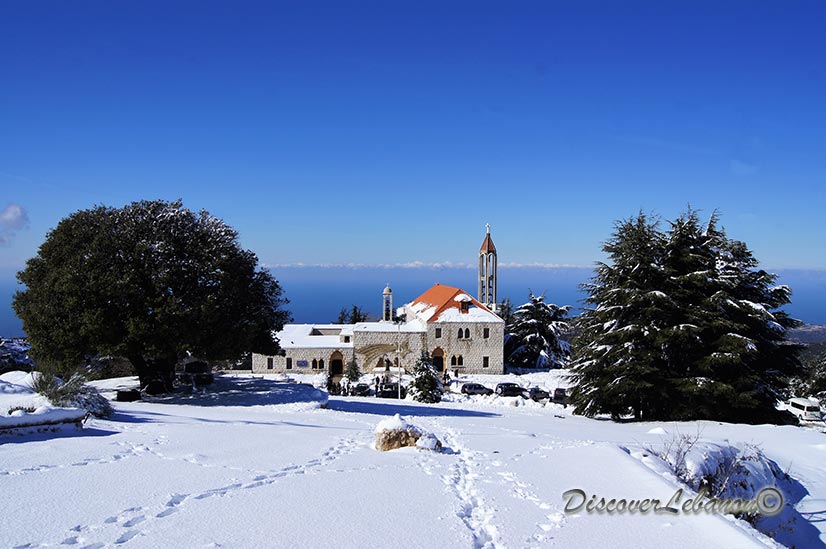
{"x": 618, "y": 363}
{"x": 682, "y": 325}
{"x": 426, "y": 385}
{"x": 742, "y": 364}
{"x": 353, "y": 372}
{"x": 534, "y": 336}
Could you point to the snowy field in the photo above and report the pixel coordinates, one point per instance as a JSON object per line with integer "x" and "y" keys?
{"x": 239, "y": 467}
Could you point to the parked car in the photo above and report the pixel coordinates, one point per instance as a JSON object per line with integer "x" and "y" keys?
{"x": 509, "y": 389}
{"x": 360, "y": 389}
{"x": 536, "y": 394}
{"x": 476, "y": 389}
{"x": 391, "y": 390}
{"x": 804, "y": 409}
{"x": 560, "y": 396}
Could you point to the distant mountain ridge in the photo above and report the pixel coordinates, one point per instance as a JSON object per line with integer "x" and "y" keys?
{"x": 809, "y": 333}
{"x": 14, "y": 354}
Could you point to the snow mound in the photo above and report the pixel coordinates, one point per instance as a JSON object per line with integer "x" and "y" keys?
{"x": 18, "y": 378}
{"x": 428, "y": 441}
{"x": 657, "y": 431}
{"x": 395, "y": 423}
{"x": 43, "y": 415}
{"x": 13, "y": 389}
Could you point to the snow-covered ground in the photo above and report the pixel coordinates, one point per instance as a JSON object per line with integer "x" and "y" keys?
{"x": 240, "y": 466}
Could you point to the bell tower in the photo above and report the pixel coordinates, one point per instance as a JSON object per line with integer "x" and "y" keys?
{"x": 387, "y": 304}
{"x": 487, "y": 272}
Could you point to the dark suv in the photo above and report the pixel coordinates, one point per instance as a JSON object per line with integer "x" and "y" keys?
{"x": 536, "y": 394}
{"x": 508, "y": 390}
{"x": 360, "y": 389}
{"x": 391, "y": 390}
{"x": 476, "y": 389}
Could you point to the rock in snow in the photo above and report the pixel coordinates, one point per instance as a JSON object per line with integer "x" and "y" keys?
{"x": 395, "y": 432}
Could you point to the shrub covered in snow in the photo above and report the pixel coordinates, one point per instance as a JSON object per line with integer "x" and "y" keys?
{"x": 724, "y": 470}
{"x": 73, "y": 393}
{"x": 728, "y": 471}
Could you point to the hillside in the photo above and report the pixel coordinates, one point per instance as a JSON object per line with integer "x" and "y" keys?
{"x": 14, "y": 355}
{"x": 809, "y": 333}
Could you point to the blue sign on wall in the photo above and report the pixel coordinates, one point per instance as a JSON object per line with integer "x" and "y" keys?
{"x": 302, "y": 363}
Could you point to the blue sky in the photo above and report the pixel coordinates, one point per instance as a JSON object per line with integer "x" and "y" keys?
{"x": 391, "y": 132}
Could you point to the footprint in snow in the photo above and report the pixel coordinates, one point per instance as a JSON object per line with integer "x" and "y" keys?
{"x": 176, "y": 500}
{"x": 126, "y": 537}
{"x": 132, "y": 522}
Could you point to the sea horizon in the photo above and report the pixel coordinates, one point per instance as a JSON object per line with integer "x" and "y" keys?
{"x": 317, "y": 293}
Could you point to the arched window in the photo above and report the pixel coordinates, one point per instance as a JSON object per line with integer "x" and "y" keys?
{"x": 459, "y": 363}
{"x": 321, "y": 364}
{"x": 467, "y": 333}
{"x": 315, "y": 364}
{"x": 461, "y": 333}
{"x": 453, "y": 360}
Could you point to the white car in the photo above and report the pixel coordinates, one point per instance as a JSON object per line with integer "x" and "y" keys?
{"x": 804, "y": 409}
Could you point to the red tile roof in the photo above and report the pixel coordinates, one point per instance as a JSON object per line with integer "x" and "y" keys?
{"x": 443, "y": 297}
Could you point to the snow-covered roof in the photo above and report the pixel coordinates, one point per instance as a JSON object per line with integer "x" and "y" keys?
{"x": 308, "y": 336}
{"x": 444, "y": 304}
{"x": 474, "y": 314}
{"x": 414, "y": 325}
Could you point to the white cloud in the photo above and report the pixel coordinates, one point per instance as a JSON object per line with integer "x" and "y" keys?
{"x": 405, "y": 265}
{"x": 12, "y": 219}
{"x": 418, "y": 265}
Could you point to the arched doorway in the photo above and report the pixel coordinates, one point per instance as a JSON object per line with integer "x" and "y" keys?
{"x": 438, "y": 357}
{"x": 336, "y": 364}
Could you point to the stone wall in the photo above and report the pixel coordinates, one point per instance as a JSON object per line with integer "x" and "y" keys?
{"x": 371, "y": 347}
{"x": 472, "y": 349}
{"x": 259, "y": 362}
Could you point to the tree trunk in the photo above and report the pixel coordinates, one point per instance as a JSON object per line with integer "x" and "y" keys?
{"x": 154, "y": 371}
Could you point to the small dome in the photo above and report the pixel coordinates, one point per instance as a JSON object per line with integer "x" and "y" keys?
{"x": 387, "y": 290}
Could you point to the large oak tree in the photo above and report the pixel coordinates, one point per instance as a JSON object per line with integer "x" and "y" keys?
{"x": 151, "y": 282}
